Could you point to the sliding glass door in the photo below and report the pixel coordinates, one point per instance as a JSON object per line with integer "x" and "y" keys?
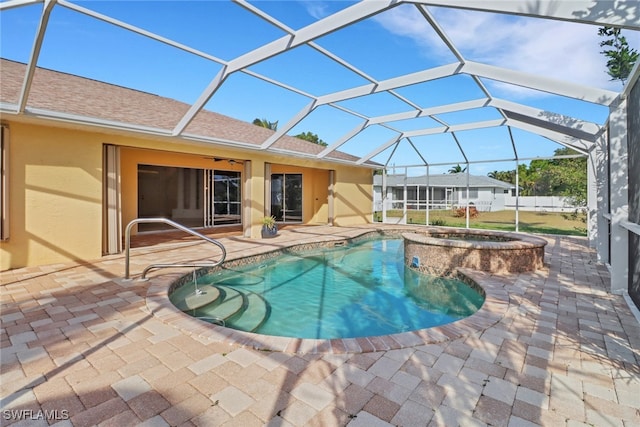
{"x": 286, "y": 197}
{"x": 191, "y": 197}
{"x": 224, "y": 198}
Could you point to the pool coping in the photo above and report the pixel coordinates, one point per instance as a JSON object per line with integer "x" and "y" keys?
{"x": 512, "y": 240}
{"x": 494, "y": 308}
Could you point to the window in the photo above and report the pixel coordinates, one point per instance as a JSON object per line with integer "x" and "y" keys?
{"x": 398, "y": 193}
{"x": 4, "y": 184}
{"x": 473, "y": 193}
{"x": 286, "y": 197}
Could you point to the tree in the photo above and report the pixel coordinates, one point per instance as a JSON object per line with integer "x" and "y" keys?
{"x": 504, "y": 176}
{"x": 526, "y": 180}
{"x": 457, "y": 169}
{"x": 551, "y": 177}
{"x": 266, "y": 124}
{"x": 569, "y": 176}
{"x": 621, "y": 57}
{"x": 311, "y": 137}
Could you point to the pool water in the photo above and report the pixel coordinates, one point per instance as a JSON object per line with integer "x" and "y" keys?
{"x": 357, "y": 290}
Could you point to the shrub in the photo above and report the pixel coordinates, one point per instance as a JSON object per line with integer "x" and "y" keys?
{"x": 462, "y": 212}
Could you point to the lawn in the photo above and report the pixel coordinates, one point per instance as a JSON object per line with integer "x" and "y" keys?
{"x": 529, "y": 222}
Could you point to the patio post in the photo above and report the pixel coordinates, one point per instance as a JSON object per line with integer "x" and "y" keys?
{"x": 517, "y": 193}
{"x": 331, "y": 200}
{"x": 247, "y": 205}
{"x": 597, "y": 198}
{"x": 619, "y": 197}
{"x": 468, "y": 198}
{"x": 404, "y": 196}
{"x": 426, "y": 220}
{"x": 384, "y": 195}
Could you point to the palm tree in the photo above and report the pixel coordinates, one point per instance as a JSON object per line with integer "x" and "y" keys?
{"x": 457, "y": 169}
{"x": 266, "y": 124}
{"x": 505, "y": 176}
{"x": 311, "y": 137}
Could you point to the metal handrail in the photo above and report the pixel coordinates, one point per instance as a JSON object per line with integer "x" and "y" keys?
{"x": 174, "y": 225}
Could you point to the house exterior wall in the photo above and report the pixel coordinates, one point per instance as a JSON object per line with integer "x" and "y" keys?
{"x": 485, "y": 199}
{"x": 56, "y": 187}
{"x": 353, "y": 196}
{"x": 55, "y": 190}
{"x": 315, "y": 192}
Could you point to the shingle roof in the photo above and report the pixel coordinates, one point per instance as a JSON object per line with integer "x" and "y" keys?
{"x": 69, "y": 94}
{"x": 457, "y": 180}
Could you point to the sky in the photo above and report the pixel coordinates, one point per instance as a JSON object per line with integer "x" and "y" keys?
{"x": 396, "y": 42}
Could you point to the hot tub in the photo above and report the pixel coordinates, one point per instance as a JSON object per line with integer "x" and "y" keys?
{"x": 440, "y": 252}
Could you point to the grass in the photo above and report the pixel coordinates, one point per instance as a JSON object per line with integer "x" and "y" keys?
{"x": 529, "y": 222}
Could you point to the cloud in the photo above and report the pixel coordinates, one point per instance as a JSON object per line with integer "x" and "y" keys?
{"x": 561, "y": 50}
{"x": 408, "y": 22}
{"x": 317, "y": 9}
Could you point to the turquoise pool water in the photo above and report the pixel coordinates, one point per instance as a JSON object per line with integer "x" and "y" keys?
{"x": 357, "y": 290}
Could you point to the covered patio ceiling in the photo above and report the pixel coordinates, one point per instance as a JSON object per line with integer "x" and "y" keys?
{"x": 395, "y": 82}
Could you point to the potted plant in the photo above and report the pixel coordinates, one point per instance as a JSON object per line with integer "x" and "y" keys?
{"x": 269, "y": 227}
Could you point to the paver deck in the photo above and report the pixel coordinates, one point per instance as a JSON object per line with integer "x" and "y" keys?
{"x": 80, "y": 346}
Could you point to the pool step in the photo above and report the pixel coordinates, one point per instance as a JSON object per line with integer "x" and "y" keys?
{"x": 230, "y": 303}
{"x": 186, "y": 297}
{"x": 239, "y": 309}
{"x": 256, "y": 312}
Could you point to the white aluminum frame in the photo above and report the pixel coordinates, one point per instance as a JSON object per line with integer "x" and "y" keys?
{"x": 587, "y": 138}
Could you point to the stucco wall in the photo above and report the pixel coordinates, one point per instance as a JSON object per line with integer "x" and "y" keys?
{"x": 55, "y": 190}
{"x": 353, "y": 196}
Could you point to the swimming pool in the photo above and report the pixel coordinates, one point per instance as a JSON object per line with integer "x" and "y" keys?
{"x": 362, "y": 289}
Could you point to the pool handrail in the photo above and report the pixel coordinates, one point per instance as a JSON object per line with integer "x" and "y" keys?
{"x": 174, "y": 225}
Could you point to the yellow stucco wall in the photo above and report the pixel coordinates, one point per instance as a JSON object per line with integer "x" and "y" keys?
{"x": 315, "y": 191}
{"x": 56, "y": 188}
{"x": 353, "y": 196}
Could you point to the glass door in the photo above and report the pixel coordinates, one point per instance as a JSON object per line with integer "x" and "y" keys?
{"x": 286, "y": 197}
{"x": 170, "y": 192}
{"x": 191, "y": 197}
{"x": 227, "y": 197}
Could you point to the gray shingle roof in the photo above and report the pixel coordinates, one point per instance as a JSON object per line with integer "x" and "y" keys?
{"x": 64, "y": 93}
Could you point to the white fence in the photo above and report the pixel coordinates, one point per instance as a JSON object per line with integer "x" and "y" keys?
{"x": 525, "y": 203}
{"x": 540, "y": 204}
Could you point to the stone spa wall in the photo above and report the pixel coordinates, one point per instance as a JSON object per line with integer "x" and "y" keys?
{"x": 441, "y": 252}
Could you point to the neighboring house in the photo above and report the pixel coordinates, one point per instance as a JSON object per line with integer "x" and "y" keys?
{"x": 445, "y": 191}
{"x": 84, "y": 158}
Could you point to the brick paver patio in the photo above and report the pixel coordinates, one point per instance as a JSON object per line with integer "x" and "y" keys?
{"x": 82, "y": 347}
